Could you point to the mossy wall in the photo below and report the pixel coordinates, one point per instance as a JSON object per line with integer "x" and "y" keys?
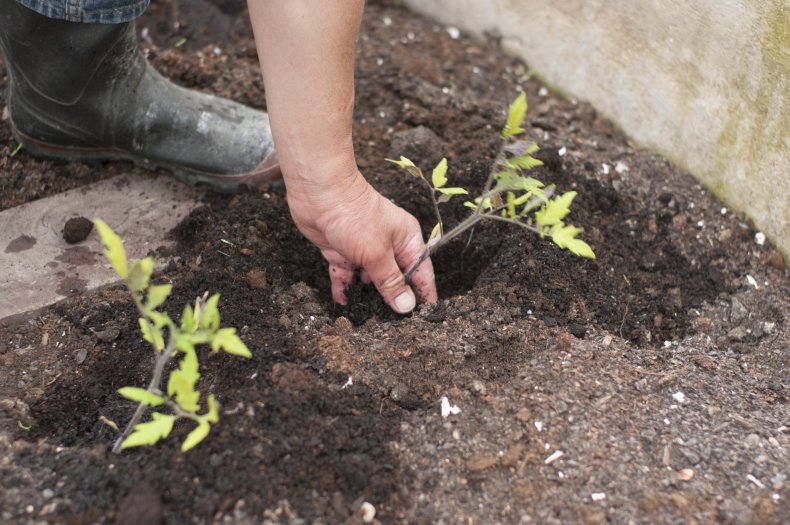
{"x": 705, "y": 83}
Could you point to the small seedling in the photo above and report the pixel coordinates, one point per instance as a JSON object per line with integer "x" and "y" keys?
{"x": 199, "y": 324}
{"x": 508, "y": 195}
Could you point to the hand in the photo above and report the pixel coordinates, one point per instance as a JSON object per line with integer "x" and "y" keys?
{"x": 355, "y": 227}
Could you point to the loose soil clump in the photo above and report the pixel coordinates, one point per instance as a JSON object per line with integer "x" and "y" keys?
{"x": 647, "y": 386}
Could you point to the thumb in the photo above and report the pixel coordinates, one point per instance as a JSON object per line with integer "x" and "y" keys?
{"x": 389, "y": 281}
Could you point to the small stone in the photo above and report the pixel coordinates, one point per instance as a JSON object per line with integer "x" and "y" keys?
{"x": 368, "y": 512}
{"x": 77, "y": 230}
{"x": 578, "y": 330}
{"x": 738, "y": 334}
{"x": 480, "y": 461}
{"x": 81, "y": 355}
{"x": 108, "y": 335}
{"x": 752, "y": 441}
{"x": 738, "y": 311}
{"x": 549, "y": 321}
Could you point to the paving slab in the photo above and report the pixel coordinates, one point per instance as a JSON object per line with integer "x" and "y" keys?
{"x": 38, "y": 267}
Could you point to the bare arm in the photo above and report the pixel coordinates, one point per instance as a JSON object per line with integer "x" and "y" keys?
{"x": 306, "y": 49}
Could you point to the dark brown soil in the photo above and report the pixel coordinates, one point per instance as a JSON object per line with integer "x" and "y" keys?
{"x": 668, "y": 352}
{"x": 77, "y": 229}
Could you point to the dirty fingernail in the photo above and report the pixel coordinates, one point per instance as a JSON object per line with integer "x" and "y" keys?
{"x": 405, "y": 302}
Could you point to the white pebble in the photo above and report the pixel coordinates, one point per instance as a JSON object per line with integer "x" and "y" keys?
{"x": 605, "y": 168}
{"x": 562, "y": 151}
{"x": 368, "y": 512}
{"x": 543, "y": 92}
{"x": 598, "y": 496}
{"x": 387, "y": 21}
{"x": 679, "y": 397}
{"x": 539, "y": 425}
{"x": 454, "y": 32}
{"x": 619, "y": 167}
{"x": 724, "y": 211}
{"x": 759, "y": 238}
{"x": 554, "y": 457}
{"x": 447, "y": 408}
{"x": 752, "y": 282}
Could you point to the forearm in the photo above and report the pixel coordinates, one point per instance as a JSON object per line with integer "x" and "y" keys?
{"x": 306, "y": 50}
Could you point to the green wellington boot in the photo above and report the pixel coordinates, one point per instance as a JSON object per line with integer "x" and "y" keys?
{"x": 84, "y": 92}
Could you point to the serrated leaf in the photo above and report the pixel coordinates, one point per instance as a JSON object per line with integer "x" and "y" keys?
{"x": 152, "y": 334}
{"x": 227, "y": 339}
{"x": 209, "y": 316}
{"x": 141, "y": 396}
{"x": 555, "y": 210}
{"x": 524, "y": 162}
{"x": 158, "y": 294}
{"x": 515, "y": 117}
{"x": 184, "y": 343}
{"x": 521, "y": 147}
{"x": 114, "y": 251}
{"x": 436, "y": 234}
{"x": 181, "y": 383}
{"x": 439, "y": 175}
{"x": 196, "y": 436}
{"x": 452, "y": 191}
{"x": 159, "y": 319}
{"x": 564, "y": 236}
{"x": 187, "y": 320}
{"x": 151, "y": 432}
{"x": 409, "y": 166}
{"x": 140, "y": 274}
{"x": 511, "y": 205}
{"x": 510, "y": 180}
{"x": 213, "y": 409}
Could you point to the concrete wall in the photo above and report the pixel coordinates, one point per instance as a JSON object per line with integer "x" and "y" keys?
{"x": 704, "y": 82}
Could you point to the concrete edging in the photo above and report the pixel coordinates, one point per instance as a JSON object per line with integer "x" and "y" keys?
{"x": 706, "y": 83}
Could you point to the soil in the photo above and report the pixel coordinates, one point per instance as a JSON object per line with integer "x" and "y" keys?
{"x": 647, "y": 386}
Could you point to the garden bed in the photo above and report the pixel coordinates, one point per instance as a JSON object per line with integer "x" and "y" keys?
{"x": 590, "y": 391}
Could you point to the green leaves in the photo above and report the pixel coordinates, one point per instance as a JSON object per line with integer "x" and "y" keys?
{"x": 227, "y": 339}
{"x": 196, "y": 436}
{"x": 181, "y": 383}
{"x": 113, "y": 248}
{"x": 439, "y": 175}
{"x": 409, "y": 166}
{"x": 158, "y": 294}
{"x": 555, "y": 210}
{"x": 141, "y": 396}
{"x": 151, "y": 432}
{"x": 152, "y": 334}
{"x": 515, "y": 117}
{"x": 565, "y": 237}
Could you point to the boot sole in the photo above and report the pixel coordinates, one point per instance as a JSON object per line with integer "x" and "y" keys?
{"x": 196, "y": 178}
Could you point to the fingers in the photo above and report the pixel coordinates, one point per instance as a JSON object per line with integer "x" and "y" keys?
{"x": 388, "y": 280}
{"x": 341, "y": 275}
{"x": 423, "y": 280}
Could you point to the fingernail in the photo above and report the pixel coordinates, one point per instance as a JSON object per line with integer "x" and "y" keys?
{"x": 405, "y": 302}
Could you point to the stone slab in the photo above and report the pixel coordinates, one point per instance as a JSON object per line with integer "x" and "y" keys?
{"x": 38, "y": 267}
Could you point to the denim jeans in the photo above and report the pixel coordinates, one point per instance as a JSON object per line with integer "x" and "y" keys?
{"x": 92, "y": 11}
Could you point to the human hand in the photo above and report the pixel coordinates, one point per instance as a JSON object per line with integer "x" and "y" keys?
{"x": 355, "y": 227}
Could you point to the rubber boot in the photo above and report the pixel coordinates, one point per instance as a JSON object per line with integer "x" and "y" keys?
{"x": 85, "y": 92}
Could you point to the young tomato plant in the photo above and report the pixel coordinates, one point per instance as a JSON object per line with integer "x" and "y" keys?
{"x": 199, "y": 324}
{"x": 508, "y": 195}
